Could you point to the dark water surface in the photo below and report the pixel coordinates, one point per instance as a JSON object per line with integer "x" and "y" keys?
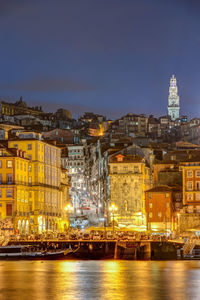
{"x": 144, "y": 280}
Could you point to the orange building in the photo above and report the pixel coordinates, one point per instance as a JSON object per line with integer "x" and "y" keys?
{"x": 191, "y": 187}
{"x": 160, "y": 206}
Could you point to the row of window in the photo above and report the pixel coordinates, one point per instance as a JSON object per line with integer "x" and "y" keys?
{"x": 9, "y": 178}
{"x": 150, "y": 195}
{"x": 29, "y": 146}
{"x": 190, "y": 185}
{"x": 9, "y": 163}
{"x": 190, "y": 196}
{"x": 75, "y": 151}
{"x": 72, "y": 164}
{"x": 167, "y": 205}
{"x": 126, "y": 169}
{"x": 75, "y": 156}
{"x": 191, "y": 209}
{"x": 9, "y": 193}
{"x": 191, "y": 174}
{"x": 159, "y": 215}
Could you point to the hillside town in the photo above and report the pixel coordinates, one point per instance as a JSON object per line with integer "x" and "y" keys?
{"x": 138, "y": 172}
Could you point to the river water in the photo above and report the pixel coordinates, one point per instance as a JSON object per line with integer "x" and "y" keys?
{"x": 144, "y": 280}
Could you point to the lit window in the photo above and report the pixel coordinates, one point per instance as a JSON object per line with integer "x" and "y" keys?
{"x": 150, "y": 215}
{"x": 189, "y": 174}
{"x": 167, "y": 195}
{"x": 189, "y": 185}
{"x": 136, "y": 170}
{"x": 9, "y": 193}
{"x": 9, "y": 178}
{"x": 150, "y": 195}
{"x": 125, "y": 169}
{"x": 159, "y": 214}
{"x": 150, "y": 205}
{"x": 114, "y": 169}
{"x": 190, "y": 197}
{"x": 198, "y": 173}
{"x": 29, "y": 168}
{"x": 9, "y": 164}
{"x": 29, "y": 179}
{"x": 197, "y": 196}
{"x": 167, "y": 204}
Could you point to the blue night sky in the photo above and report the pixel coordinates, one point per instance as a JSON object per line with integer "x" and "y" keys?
{"x": 106, "y": 56}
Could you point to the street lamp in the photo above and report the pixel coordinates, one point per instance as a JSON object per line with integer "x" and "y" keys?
{"x": 113, "y": 209}
{"x": 69, "y": 209}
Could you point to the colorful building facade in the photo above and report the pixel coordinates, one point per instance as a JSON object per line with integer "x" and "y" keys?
{"x": 39, "y": 192}
{"x": 129, "y": 178}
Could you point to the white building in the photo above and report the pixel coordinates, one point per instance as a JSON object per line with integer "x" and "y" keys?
{"x": 173, "y": 99}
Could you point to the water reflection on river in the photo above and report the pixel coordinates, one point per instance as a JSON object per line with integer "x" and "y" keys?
{"x": 145, "y": 280}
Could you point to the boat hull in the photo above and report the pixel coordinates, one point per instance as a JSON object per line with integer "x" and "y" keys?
{"x": 32, "y": 256}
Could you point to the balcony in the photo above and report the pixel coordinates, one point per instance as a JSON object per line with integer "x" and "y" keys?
{"x": 29, "y": 184}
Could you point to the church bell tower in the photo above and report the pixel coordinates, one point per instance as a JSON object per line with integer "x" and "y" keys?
{"x": 173, "y": 99}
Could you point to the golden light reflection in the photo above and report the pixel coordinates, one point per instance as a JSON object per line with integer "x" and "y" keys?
{"x": 108, "y": 280}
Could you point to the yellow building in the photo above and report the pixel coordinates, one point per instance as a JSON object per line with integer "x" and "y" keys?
{"x": 14, "y": 190}
{"x": 129, "y": 178}
{"x": 44, "y": 181}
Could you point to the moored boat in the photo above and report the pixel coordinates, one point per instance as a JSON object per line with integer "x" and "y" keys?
{"x": 25, "y": 253}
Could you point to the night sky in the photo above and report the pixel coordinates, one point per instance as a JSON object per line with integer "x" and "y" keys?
{"x": 106, "y": 56}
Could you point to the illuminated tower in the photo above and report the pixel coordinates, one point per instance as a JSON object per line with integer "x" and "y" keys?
{"x": 173, "y": 99}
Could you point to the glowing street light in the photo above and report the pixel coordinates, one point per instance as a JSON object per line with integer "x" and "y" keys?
{"x": 113, "y": 209}
{"x": 69, "y": 208}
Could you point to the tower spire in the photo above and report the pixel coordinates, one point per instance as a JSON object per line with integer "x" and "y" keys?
{"x": 173, "y": 99}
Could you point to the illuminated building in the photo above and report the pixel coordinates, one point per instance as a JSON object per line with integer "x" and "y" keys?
{"x": 161, "y": 203}
{"x": 129, "y": 178}
{"x": 191, "y": 186}
{"x": 14, "y": 188}
{"x": 17, "y": 108}
{"x": 173, "y": 99}
{"x": 74, "y": 162}
{"x": 44, "y": 181}
{"x": 132, "y": 123}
